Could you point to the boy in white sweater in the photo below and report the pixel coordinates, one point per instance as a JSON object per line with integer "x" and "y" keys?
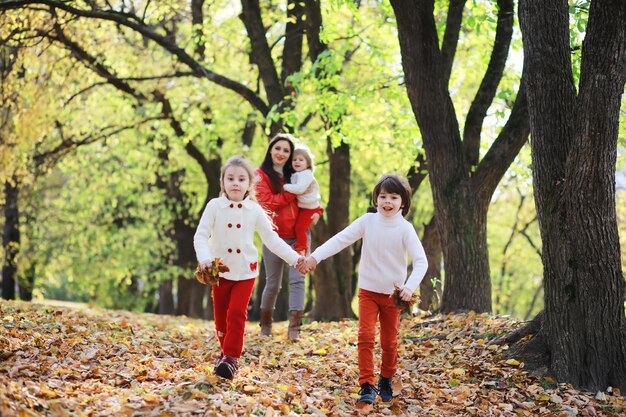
{"x": 304, "y": 184}
{"x": 388, "y": 240}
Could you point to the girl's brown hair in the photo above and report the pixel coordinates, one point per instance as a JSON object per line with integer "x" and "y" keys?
{"x": 241, "y": 162}
{"x": 395, "y": 184}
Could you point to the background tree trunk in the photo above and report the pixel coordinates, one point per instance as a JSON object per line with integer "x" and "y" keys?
{"x": 574, "y": 151}
{"x": 10, "y": 238}
{"x": 333, "y": 278}
{"x": 430, "y": 295}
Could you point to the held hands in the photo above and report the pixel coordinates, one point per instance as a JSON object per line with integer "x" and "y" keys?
{"x": 306, "y": 264}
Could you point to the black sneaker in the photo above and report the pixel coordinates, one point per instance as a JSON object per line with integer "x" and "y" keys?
{"x": 384, "y": 388}
{"x": 227, "y": 367}
{"x": 367, "y": 394}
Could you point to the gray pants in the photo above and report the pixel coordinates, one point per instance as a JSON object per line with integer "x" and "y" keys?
{"x": 273, "y": 280}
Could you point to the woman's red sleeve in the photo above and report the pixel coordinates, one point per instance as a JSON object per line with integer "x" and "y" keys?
{"x": 268, "y": 199}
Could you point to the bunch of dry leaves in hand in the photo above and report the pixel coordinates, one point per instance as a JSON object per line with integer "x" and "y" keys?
{"x": 210, "y": 274}
{"x": 66, "y": 361}
{"x": 406, "y": 306}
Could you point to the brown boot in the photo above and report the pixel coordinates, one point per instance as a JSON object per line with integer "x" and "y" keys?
{"x": 266, "y": 322}
{"x": 295, "y": 321}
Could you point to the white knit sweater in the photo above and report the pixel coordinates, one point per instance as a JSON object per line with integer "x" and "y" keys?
{"x": 387, "y": 244}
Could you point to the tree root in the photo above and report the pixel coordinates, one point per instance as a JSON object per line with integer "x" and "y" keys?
{"x": 533, "y": 351}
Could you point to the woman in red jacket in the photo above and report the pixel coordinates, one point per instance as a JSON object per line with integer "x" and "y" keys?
{"x": 282, "y": 206}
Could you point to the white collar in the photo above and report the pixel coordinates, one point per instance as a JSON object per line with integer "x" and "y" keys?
{"x": 225, "y": 202}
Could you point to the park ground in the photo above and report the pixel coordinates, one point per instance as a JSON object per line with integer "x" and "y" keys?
{"x": 63, "y": 360}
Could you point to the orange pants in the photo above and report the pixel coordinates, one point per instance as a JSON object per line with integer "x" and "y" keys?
{"x": 375, "y": 306}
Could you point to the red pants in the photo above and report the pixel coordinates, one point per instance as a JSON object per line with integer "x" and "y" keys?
{"x": 374, "y": 306}
{"x": 303, "y": 222}
{"x": 230, "y": 309}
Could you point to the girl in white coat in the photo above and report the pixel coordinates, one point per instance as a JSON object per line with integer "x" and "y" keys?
{"x": 226, "y": 234}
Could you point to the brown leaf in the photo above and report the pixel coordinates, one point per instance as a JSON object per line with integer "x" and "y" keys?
{"x": 210, "y": 274}
{"x": 407, "y": 306}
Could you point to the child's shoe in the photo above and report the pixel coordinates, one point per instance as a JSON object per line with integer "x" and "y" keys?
{"x": 367, "y": 394}
{"x": 384, "y": 388}
{"x": 226, "y": 367}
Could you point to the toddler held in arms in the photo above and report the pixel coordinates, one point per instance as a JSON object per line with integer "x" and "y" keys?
{"x": 305, "y": 186}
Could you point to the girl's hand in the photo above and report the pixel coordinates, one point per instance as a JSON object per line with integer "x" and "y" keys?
{"x": 209, "y": 272}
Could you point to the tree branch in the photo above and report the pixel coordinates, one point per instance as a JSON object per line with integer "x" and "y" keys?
{"x": 260, "y": 52}
{"x": 133, "y": 22}
{"x": 451, "y": 36}
{"x": 487, "y": 90}
{"x": 44, "y": 160}
{"x": 505, "y": 148}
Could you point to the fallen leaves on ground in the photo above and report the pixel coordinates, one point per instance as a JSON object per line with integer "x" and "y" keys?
{"x": 63, "y": 361}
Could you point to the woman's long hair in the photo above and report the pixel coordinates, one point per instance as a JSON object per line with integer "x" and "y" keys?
{"x": 267, "y": 165}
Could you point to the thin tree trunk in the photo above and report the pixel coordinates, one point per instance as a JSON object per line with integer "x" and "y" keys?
{"x": 10, "y": 237}
{"x": 430, "y": 295}
{"x": 166, "y": 298}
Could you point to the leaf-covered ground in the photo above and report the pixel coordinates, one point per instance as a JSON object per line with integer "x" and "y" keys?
{"x": 64, "y": 361}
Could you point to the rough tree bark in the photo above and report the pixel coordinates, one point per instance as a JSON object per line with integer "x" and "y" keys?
{"x": 574, "y": 148}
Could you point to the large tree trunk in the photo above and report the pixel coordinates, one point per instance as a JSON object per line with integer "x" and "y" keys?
{"x": 461, "y": 225}
{"x": 574, "y": 150}
{"x": 462, "y": 185}
{"x": 10, "y": 238}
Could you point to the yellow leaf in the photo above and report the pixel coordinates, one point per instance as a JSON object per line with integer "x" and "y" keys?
{"x": 251, "y": 389}
{"x": 48, "y": 393}
{"x": 454, "y": 382}
{"x": 320, "y": 352}
{"x": 512, "y": 362}
{"x": 151, "y": 398}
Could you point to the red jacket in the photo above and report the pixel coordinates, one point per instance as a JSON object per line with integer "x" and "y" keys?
{"x": 281, "y": 206}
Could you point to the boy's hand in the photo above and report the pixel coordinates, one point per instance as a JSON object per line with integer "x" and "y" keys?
{"x": 405, "y": 294}
{"x": 404, "y": 298}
